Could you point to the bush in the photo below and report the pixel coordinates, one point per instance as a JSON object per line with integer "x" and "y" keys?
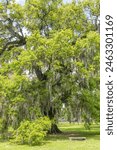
{"x": 32, "y": 132}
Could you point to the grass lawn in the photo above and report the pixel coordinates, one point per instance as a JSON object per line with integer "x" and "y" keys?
{"x": 62, "y": 142}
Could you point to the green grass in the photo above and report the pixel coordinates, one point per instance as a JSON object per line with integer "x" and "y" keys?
{"x": 61, "y": 142}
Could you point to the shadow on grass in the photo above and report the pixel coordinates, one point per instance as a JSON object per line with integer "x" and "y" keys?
{"x": 75, "y": 131}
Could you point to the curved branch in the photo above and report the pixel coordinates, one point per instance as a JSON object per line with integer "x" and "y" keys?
{"x": 9, "y": 45}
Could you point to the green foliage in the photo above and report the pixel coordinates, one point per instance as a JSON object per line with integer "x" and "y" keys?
{"x": 1, "y": 121}
{"x": 32, "y": 132}
{"x": 49, "y": 55}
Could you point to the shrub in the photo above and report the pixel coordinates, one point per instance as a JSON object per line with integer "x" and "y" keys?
{"x": 32, "y": 132}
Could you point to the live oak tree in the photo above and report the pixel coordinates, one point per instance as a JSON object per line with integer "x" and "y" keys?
{"x": 49, "y": 55}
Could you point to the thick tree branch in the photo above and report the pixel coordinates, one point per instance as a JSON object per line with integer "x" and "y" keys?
{"x": 14, "y": 39}
{"x": 39, "y": 74}
{"x": 9, "y": 45}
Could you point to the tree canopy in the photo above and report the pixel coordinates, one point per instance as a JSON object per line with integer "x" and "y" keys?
{"x": 49, "y": 56}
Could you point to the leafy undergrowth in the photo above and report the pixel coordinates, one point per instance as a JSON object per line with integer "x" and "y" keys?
{"x": 62, "y": 142}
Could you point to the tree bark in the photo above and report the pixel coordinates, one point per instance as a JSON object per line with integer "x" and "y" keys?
{"x": 54, "y": 129}
{"x": 51, "y": 114}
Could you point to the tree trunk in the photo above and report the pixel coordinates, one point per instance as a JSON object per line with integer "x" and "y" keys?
{"x": 51, "y": 114}
{"x": 54, "y": 129}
